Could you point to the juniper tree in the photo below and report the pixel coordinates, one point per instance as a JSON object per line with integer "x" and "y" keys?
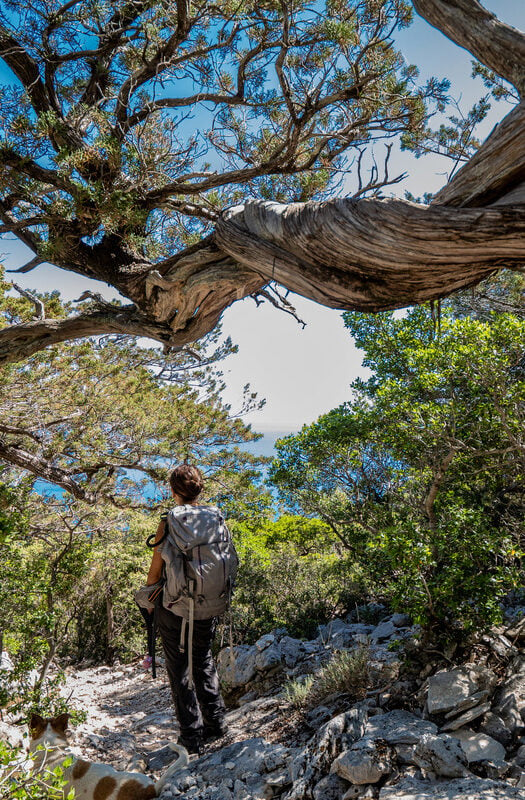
{"x": 143, "y": 143}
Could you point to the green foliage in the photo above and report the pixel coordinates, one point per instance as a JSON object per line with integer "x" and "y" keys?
{"x": 297, "y": 692}
{"x": 106, "y": 421}
{"x": 421, "y": 472}
{"x": 291, "y": 575}
{"x": 18, "y": 783}
{"x": 347, "y": 671}
{"x": 280, "y": 103}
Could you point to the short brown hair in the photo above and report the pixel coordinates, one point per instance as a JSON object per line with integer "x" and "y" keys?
{"x": 187, "y": 482}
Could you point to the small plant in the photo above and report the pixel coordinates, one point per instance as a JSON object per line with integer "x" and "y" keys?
{"x": 17, "y": 783}
{"x": 297, "y": 692}
{"x": 347, "y": 671}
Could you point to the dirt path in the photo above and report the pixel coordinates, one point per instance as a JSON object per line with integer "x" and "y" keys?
{"x": 130, "y": 717}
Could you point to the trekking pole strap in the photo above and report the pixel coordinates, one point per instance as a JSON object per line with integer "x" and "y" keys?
{"x": 190, "y": 632}
{"x": 153, "y": 638}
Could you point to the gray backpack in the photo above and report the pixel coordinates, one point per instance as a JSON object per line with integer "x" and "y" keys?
{"x": 200, "y": 562}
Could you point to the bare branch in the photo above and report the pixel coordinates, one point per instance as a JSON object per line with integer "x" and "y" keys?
{"x": 45, "y": 470}
{"x": 39, "y": 306}
{"x": 30, "y": 265}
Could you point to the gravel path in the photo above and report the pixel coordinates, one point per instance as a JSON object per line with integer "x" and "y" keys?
{"x": 130, "y": 718}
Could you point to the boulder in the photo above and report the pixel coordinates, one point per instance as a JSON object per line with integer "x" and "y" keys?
{"x": 314, "y": 760}
{"x": 268, "y": 658}
{"x": 291, "y": 650}
{"x": 467, "y": 789}
{"x": 440, "y": 756}
{"x": 331, "y": 629}
{"x": 493, "y": 725}
{"x": 449, "y": 688}
{"x": 242, "y": 670}
{"x": 365, "y": 762}
{"x": 384, "y": 630}
{"x": 399, "y": 727}
{"x": 479, "y": 746}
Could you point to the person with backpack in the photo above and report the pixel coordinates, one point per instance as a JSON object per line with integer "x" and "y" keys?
{"x": 194, "y": 555}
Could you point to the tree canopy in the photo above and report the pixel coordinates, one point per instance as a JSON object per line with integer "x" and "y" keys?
{"x": 104, "y": 173}
{"x": 421, "y": 473}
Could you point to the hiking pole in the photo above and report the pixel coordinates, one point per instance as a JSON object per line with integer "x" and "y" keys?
{"x": 150, "y": 620}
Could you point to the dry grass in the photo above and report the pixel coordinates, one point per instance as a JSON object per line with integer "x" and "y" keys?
{"x": 347, "y": 671}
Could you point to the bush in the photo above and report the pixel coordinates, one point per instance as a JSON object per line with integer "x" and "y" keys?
{"x": 347, "y": 671}
{"x": 17, "y": 783}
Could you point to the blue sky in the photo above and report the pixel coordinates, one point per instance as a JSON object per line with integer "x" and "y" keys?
{"x": 304, "y": 373}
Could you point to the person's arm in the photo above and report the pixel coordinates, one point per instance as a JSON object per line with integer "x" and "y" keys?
{"x": 155, "y": 570}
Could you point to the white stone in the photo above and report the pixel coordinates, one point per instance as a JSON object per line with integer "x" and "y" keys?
{"x": 399, "y": 727}
{"x": 440, "y": 756}
{"x": 362, "y": 763}
{"x": 448, "y": 688}
{"x": 466, "y": 788}
{"x": 479, "y": 746}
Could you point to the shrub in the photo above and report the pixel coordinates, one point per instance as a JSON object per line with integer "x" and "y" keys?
{"x": 17, "y": 783}
{"x": 297, "y": 692}
{"x": 347, "y": 671}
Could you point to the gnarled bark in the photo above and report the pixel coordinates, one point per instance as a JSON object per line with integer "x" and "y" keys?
{"x": 362, "y": 254}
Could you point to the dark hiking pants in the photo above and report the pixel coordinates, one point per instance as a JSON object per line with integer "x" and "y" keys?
{"x": 203, "y": 704}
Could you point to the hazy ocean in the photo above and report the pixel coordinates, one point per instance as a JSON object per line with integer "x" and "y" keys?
{"x": 266, "y": 445}
{"x": 262, "y": 447}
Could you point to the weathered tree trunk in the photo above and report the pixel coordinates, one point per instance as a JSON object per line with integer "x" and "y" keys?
{"x": 363, "y": 254}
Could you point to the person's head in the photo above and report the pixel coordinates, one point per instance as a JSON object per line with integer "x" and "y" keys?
{"x": 186, "y": 482}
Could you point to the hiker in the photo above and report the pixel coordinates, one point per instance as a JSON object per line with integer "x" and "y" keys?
{"x": 194, "y": 553}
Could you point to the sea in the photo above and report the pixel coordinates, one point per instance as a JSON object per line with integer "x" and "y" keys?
{"x": 265, "y": 446}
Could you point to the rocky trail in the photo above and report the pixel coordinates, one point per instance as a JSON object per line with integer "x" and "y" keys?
{"x": 445, "y": 728}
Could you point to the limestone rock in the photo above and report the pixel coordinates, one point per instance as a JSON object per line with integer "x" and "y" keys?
{"x": 476, "y": 699}
{"x": 365, "y": 762}
{"x": 268, "y": 658}
{"x": 464, "y": 719}
{"x": 441, "y": 756}
{"x": 383, "y": 631}
{"x": 242, "y": 670}
{"x": 493, "y": 725}
{"x": 399, "y": 727}
{"x": 314, "y": 760}
{"x": 448, "y": 688}
{"x": 291, "y": 650}
{"x": 479, "y": 746}
{"x": 331, "y": 787}
{"x": 467, "y": 789}
{"x": 509, "y": 700}
{"x": 249, "y": 763}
